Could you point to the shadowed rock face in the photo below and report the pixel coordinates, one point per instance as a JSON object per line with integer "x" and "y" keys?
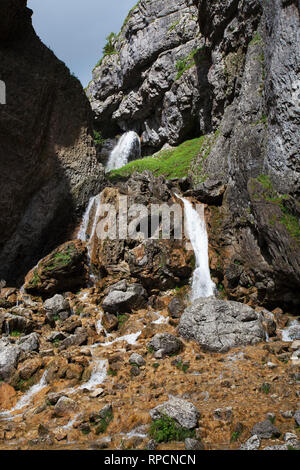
{"x": 48, "y": 166}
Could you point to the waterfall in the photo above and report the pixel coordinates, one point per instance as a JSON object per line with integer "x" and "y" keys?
{"x": 128, "y": 148}
{"x": 195, "y": 226}
{"x": 84, "y": 233}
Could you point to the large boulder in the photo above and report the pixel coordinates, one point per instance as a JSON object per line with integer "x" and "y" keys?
{"x": 9, "y": 356}
{"x": 182, "y": 411}
{"x": 219, "y": 325}
{"x": 130, "y": 297}
{"x": 62, "y": 270}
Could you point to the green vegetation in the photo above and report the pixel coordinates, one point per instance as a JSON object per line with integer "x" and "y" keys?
{"x": 36, "y": 279}
{"x": 60, "y": 259}
{"x": 98, "y": 139}
{"x": 150, "y": 349}
{"x": 256, "y": 39}
{"x": 15, "y": 334}
{"x": 234, "y": 436}
{"x": 104, "y": 423}
{"x": 188, "y": 62}
{"x": 122, "y": 319}
{"x": 109, "y": 48}
{"x": 287, "y": 219}
{"x": 24, "y": 385}
{"x": 171, "y": 163}
{"x": 155, "y": 365}
{"x": 165, "y": 429}
{"x": 129, "y": 15}
{"x": 265, "y": 388}
{"x": 181, "y": 366}
{"x": 112, "y": 372}
{"x": 173, "y": 26}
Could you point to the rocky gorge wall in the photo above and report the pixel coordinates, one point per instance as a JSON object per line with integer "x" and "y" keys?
{"x": 228, "y": 71}
{"x": 48, "y": 167}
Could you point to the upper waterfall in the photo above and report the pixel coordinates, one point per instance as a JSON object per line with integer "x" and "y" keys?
{"x": 128, "y": 148}
{"x": 202, "y": 285}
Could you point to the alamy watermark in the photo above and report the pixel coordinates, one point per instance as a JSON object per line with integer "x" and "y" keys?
{"x": 2, "y": 92}
{"x": 121, "y": 221}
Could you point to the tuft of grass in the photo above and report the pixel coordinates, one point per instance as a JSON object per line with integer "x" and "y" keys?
{"x": 112, "y": 372}
{"x": 104, "y": 423}
{"x": 166, "y": 429}
{"x": 257, "y": 39}
{"x": 15, "y": 333}
{"x": 171, "y": 163}
{"x": 122, "y": 319}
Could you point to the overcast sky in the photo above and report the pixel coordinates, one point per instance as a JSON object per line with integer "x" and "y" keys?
{"x": 76, "y": 29}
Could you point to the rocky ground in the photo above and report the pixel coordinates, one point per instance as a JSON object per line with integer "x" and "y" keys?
{"x": 98, "y": 386}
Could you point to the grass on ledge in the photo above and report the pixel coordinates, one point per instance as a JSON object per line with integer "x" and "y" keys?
{"x": 171, "y": 163}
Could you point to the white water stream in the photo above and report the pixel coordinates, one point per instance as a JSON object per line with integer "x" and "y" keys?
{"x": 195, "y": 226}
{"x": 127, "y": 145}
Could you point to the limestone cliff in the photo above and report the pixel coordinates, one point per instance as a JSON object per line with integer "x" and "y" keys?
{"x": 184, "y": 68}
{"x": 48, "y": 167}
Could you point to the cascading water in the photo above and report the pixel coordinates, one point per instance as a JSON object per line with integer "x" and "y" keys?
{"x": 84, "y": 233}
{"x": 202, "y": 285}
{"x": 128, "y": 148}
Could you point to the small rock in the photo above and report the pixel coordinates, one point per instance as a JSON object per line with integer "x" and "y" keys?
{"x": 271, "y": 365}
{"x": 65, "y": 406}
{"x": 265, "y": 430}
{"x": 291, "y": 439}
{"x": 151, "y": 445}
{"x": 182, "y": 411}
{"x": 53, "y": 398}
{"x": 137, "y": 359}
{"x": 30, "y": 342}
{"x": 193, "y": 444}
{"x": 56, "y": 305}
{"x": 253, "y": 443}
{"x": 60, "y": 434}
{"x": 287, "y": 414}
{"x": 297, "y": 417}
{"x": 223, "y": 414}
{"x": 165, "y": 344}
{"x": 135, "y": 371}
{"x": 96, "y": 393}
{"x": 176, "y": 308}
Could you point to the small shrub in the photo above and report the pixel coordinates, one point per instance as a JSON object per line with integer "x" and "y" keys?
{"x": 165, "y": 429}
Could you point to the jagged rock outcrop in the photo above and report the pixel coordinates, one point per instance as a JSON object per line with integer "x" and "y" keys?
{"x": 254, "y": 80}
{"x": 241, "y": 88}
{"x": 157, "y": 264}
{"x": 48, "y": 166}
{"x": 143, "y": 85}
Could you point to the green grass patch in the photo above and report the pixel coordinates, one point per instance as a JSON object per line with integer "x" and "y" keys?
{"x": 257, "y": 39}
{"x": 104, "y": 423}
{"x": 15, "y": 334}
{"x": 166, "y": 429}
{"x": 112, "y": 372}
{"x": 122, "y": 319}
{"x": 171, "y": 163}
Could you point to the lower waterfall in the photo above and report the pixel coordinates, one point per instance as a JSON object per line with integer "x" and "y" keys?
{"x": 127, "y": 148}
{"x": 202, "y": 285}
